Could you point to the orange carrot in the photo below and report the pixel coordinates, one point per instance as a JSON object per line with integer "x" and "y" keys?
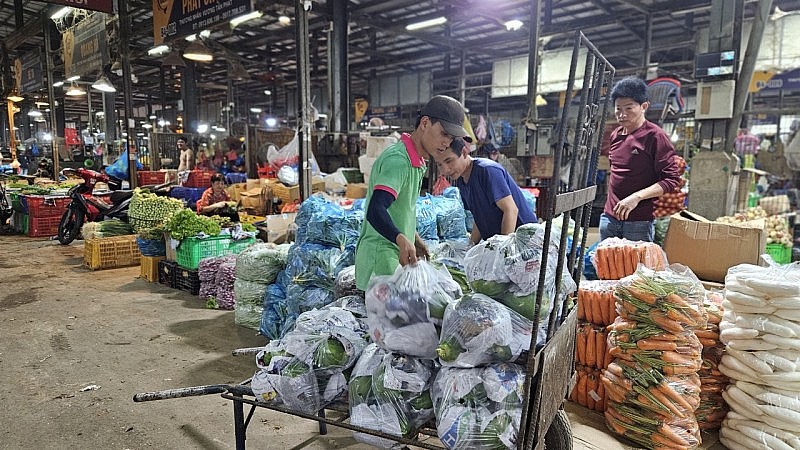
{"x": 601, "y": 392}
{"x": 600, "y": 318}
{"x": 670, "y": 434}
{"x": 674, "y": 396}
{"x": 591, "y": 387}
{"x": 619, "y": 260}
{"x": 658, "y": 395}
{"x": 709, "y": 342}
{"x": 665, "y": 443}
{"x": 642, "y": 295}
{"x": 607, "y": 358}
{"x": 600, "y": 263}
{"x": 612, "y": 269}
{"x": 662, "y": 321}
{"x": 653, "y": 344}
{"x": 613, "y": 423}
{"x": 580, "y": 341}
{"x": 581, "y": 387}
{"x": 581, "y": 304}
{"x": 612, "y": 307}
{"x": 707, "y": 334}
{"x": 591, "y": 350}
{"x": 600, "y": 351}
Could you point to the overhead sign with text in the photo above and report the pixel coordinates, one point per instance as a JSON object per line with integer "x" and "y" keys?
{"x": 106, "y": 6}
{"x": 176, "y": 19}
{"x": 30, "y": 67}
{"x": 85, "y": 46}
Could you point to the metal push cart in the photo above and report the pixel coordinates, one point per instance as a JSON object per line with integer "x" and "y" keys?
{"x": 550, "y": 368}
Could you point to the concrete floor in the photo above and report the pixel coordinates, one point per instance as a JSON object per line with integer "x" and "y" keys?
{"x": 76, "y": 345}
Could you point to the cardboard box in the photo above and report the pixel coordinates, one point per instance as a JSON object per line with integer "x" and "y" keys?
{"x": 711, "y": 248}
{"x": 541, "y": 167}
{"x": 235, "y": 191}
{"x": 278, "y": 228}
{"x": 356, "y": 190}
{"x": 254, "y": 201}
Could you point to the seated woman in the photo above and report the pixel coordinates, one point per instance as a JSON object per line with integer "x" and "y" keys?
{"x": 215, "y": 201}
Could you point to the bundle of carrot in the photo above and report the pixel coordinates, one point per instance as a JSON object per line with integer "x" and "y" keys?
{"x": 589, "y": 391}
{"x": 712, "y": 407}
{"x": 652, "y": 385}
{"x": 596, "y": 303}
{"x": 617, "y": 258}
{"x": 591, "y": 350}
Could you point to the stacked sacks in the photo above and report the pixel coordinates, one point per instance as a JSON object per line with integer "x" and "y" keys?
{"x": 326, "y": 240}
{"x": 712, "y": 407}
{"x": 225, "y": 282}
{"x": 506, "y": 268}
{"x": 207, "y": 273}
{"x": 652, "y": 386}
{"x": 389, "y": 389}
{"x": 256, "y": 267}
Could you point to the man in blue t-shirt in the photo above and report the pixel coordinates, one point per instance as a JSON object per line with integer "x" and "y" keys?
{"x": 487, "y": 190}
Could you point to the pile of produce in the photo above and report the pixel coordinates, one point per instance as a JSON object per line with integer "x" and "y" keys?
{"x": 148, "y": 210}
{"x": 345, "y": 283}
{"x": 225, "y": 282}
{"x": 596, "y": 310}
{"x": 751, "y": 213}
{"x": 327, "y": 223}
{"x": 672, "y": 202}
{"x": 652, "y": 386}
{"x": 405, "y": 309}
{"x": 712, "y": 407}
{"x": 261, "y": 263}
{"x": 207, "y": 273}
{"x": 450, "y": 218}
{"x": 591, "y": 351}
{"x": 589, "y": 391}
{"x": 185, "y": 223}
{"x": 506, "y": 268}
{"x": 151, "y": 241}
{"x": 249, "y": 304}
{"x": 390, "y": 392}
{"x": 106, "y": 228}
{"x": 479, "y": 408}
{"x": 304, "y": 370}
{"x": 617, "y": 258}
{"x": 478, "y": 330}
{"x": 596, "y": 302}
{"x": 761, "y": 331}
{"x": 778, "y": 231}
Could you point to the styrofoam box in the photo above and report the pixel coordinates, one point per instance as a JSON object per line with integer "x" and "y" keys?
{"x": 365, "y": 164}
{"x": 377, "y": 144}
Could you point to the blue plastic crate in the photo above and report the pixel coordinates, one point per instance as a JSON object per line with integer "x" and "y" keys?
{"x": 187, "y": 194}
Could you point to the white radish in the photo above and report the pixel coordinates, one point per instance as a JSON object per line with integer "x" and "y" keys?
{"x": 782, "y": 342}
{"x": 777, "y": 432}
{"x": 784, "y": 377}
{"x": 774, "y": 287}
{"x": 788, "y": 314}
{"x": 791, "y": 355}
{"x": 776, "y": 361}
{"x": 794, "y": 326}
{"x": 769, "y": 420}
{"x": 727, "y": 323}
{"x": 735, "y": 374}
{"x": 751, "y": 389}
{"x": 780, "y": 400}
{"x": 767, "y": 440}
{"x": 745, "y": 300}
{"x": 750, "y": 360}
{"x": 751, "y": 344}
{"x": 748, "y": 309}
{"x": 782, "y": 414}
{"x": 733, "y": 284}
{"x": 741, "y": 439}
{"x": 737, "y": 333}
{"x": 762, "y": 323}
{"x": 738, "y": 407}
{"x": 785, "y": 302}
{"x": 732, "y": 444}
{"x": 747, "y": 402}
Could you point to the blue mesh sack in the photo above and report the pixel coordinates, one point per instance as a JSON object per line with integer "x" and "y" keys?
{"x": 450, "y": 218}
{"x": 322, "y": 222}
{"x": 317, "y": 265}
{"x": 426, "y": 219}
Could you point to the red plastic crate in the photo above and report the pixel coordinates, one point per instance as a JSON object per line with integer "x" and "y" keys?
{"x": 148, "y": 177}
{"x": 46, "y": 206}
{"x": 43, "y": 226}
{"x": 198, "y": 179}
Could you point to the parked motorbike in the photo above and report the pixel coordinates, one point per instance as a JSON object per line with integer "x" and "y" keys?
{"x": 85, "y": 207}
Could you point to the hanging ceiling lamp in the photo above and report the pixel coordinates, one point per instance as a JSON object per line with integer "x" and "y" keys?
{"x": 14, "y": 96}
{"x": 196, "y": 51}
{"x": 103, "y": 85}
{"x": 174, "y": 60}
{"x": 75, "y": 90}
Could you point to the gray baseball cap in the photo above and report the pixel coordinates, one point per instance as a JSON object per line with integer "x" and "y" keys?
{"x": 449, "y": 112}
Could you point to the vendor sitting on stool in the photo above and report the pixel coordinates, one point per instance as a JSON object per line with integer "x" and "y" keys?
{"x": 215, "y": 201}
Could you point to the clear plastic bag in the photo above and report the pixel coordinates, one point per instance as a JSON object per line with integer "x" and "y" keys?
{"x": 478, "y": 330}
{"x": 249, "y": 292}
{"x": 261, "y": 263}
{"x": 304, "y": 371}
{"x": 353, "y": 303}
{"x": 479, "y": 408}
{"x": 345, "y": 283}
{"x": 404, "y": 309}
{"x": 391, "y": 393}
{"x": 314, "y": 265}
{"x": 616, "y": 258}
{"x": 248, "y": 315}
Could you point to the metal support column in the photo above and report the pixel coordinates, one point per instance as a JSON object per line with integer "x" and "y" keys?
{"x": 124, "y": 39}
{"x": 533, "y": 66}
{"x": 19, "y": 18}
{"x": 748, "y": 65}
{"x": 110, "y": 116}
{"x": 648, "y": 44}
{"x": 304, "y": 119}
{"x": 462, "y": 79}
{"x": 56, "y": 128}
{"x": 189, "y": 97}
{"x": 339, "y": 79}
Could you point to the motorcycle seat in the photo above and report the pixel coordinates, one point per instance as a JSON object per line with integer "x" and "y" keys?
{"x": 120, "y": 196}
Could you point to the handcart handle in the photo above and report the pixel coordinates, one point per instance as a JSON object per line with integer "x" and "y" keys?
{"x": 246, "y": 351}
{"x": 193, "y": 391}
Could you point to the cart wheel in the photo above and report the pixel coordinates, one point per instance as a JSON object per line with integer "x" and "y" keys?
{"x": 559, "y": 435}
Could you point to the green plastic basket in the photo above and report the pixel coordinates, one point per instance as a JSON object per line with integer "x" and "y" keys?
{"x": 780, "y": 253}
{"x": 192, "y": 250}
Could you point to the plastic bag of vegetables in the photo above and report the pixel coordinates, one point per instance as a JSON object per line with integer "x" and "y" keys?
{"x": 478, "y": 330}
{"x": 353, "y": 303}
{"x": 304, "y": 371}
{"x": 327, "y": 319}
{"x": 479, "y": 408}
{"x": 450, "y": 217}
{"x": 276, "y": 317}
{"x": 390, "y": 392}
{"x": 261, "y": 262}
{"x": 403, "y": 310}
{"x": 426, "y": 219}
{"x": 326, "y": 223}
{"x": 317, "y": 265}
{"x": 345, "y": 283}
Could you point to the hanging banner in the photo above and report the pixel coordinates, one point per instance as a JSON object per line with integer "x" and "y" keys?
{"x": 172, "y": 20}
{"x": 30, "y": 71}
{"x": 361, "y": 106}
{"x": 106, "y": 6}
{"x": 771, "y": 81}
{"x": 85, "y": 47}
